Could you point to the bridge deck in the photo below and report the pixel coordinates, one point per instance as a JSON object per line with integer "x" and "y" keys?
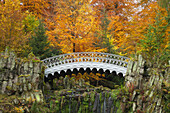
{"x": 85, "y": 60}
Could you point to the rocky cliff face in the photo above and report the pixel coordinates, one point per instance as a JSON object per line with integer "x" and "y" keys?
{"x": 20, "y": 77}
{"x": 146, "y": 90}
{"x": 147, "y": 86}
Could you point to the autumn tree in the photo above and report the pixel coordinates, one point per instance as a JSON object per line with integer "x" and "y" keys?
{"x": 104, "y": 36}
{"x": 137, "y": 26}
{"x": 112, "y": 16}
{"x": 155, "y": 45}
{"x": 11, "y": 27}
{"x": 74, "y": 26}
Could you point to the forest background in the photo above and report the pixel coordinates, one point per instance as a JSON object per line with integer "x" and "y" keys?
{"x": 50, "y": 27}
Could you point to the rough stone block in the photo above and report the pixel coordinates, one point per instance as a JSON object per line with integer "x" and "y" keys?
{"x": 141, "y": 61}
{"x": 15, "y": 79}
{"x": 20, "y": 88}
{"x": 35, "y": 78}
{"x": 38, "y": 96}
{"x": 135, "y": 66}
{"x": 36, "y": 66}
{"x": 26, "y": 66}
{"x": 6, "y": 75}
{"x": 3, "y": 62}
{"x": 32, "y": 96}
{"x": 22, "y": 72}
{"x": 4, "y": 84}
{"x": 141, "y": 71}
{"x": 31, "y": 71}
{"x": 29, "y": 78}
{"x": 29, "y": 86}
{"x": 25, "y": 87}
{"x": 1, "y": 76}
{"x": 30, "y": 64}
{"x": 9, "y": 63}
{"x": 12, "y": 63}
{"x": 20, "y": 80}
{"x": 134, "y": 94}
{"x": 130, "y": 79}
{"x": 11, "y": 76}
{"x": 24, "y": 80}
{"x": 130, "y": 67}
{"x": 14, "y": 87}
{"x": 151, "y": 81}
{"x": 16, "y": 101}
{"x": 18, "y": 69}
{"x": 134, "y": 107}
{"x": 10, "y": 83}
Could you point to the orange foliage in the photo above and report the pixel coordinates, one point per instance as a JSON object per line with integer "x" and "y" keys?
{"x": 113, "y": 17}
{"x": 11, "y": 27}
{"x": 137, "y": 26}
{"x": 112, "y": 7}
{"x": 37, "y": 7}
{"x": 88, "y": 77}
{"x": 74, "y": 23}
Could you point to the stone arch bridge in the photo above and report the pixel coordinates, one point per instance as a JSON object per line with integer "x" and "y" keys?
{"x": 104, "y": 62}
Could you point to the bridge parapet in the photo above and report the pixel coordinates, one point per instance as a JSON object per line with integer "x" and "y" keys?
{"x": 84, "y": 57}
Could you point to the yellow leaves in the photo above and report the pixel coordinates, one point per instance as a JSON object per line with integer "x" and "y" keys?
{"x": 122, "y": 54}
{"x": 114, "y": 20}
{"x": 37, "y": 7}
{"x": 11, "y": 27}
{"x": 88, "y": 77}
{"x": 115, "y": 47}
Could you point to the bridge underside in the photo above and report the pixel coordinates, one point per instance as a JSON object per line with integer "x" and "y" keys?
{"x": 63, "y": 68}
{"x": 112, "y": 76}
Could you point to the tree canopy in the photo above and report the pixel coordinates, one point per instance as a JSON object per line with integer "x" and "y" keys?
{"x": 114, "y": 26}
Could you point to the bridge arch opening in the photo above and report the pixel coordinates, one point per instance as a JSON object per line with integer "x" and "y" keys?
{"x": 56, "y": 75}
{"x": 94, "y": 70}
{"x": 49, "y": 79}
{"x": 114, "y": 73}
{"x": 69, "y": 72}
{"x": 62, "y": 73}
{"x": 81, "y": 70}
{"x": 50, "y": 76}
{"x": 101, "y": 71}
{"x": 107, "y": 72}
{"x": 120, "y": 75}
{"x": 88, "y": 70}
{"x": 75, "y": 71}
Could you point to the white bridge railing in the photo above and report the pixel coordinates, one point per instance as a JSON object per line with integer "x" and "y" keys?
{"x": 66, "y": 61}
